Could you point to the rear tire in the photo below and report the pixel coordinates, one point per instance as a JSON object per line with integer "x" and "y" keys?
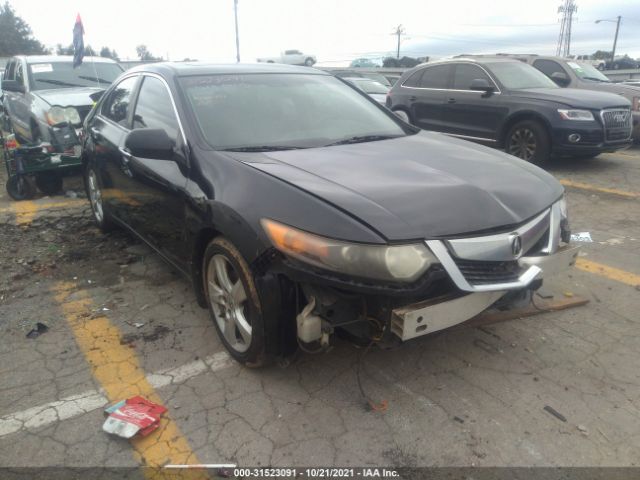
{"x": 234, "y": 303}
{"x": 529, "y": 141}
{"x": 20, "y": 188}
{"x": 309, "y": 62}
{"x": 49, "y": 183}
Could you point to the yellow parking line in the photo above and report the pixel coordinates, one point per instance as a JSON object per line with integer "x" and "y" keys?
{"x": 593, "y": 188}
{"x": 25, "y": 212}
{"x": 611, "y": 273}
{"x": 118, "y": 370}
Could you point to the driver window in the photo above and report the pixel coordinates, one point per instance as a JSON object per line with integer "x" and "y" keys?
{"x": 155, "y": 109}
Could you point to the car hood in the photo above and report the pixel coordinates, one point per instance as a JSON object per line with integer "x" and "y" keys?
{"x": 574, "y": 97}
{"x": 426, "y": 185}
{"x": 68, "y": 97}
{"x": 628, "y": 91}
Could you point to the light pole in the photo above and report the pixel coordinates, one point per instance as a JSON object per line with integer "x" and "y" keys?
{"x": 235, "y": 11}
{"x": 615, "y": 39}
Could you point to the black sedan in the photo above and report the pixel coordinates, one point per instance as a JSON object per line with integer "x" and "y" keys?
{"x": 297, "y": 206}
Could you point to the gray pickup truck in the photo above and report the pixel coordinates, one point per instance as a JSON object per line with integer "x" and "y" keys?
{"x": 45, "y": 95}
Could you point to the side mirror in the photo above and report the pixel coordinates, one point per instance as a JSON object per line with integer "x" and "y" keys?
{"x": 482, "y": 85}
{"x": 150, "y": 143}
{"x": 560, "y": 78}
{"x": 12, "y": 86}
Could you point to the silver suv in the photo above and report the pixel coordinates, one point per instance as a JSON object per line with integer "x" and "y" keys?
{"x": 44, "y": 95}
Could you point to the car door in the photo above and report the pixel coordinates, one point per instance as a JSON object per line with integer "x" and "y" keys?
{"x": 428, "y": 97}
{"x": 471, "y": 113}
{"x": 107, "y": 131}
{"x": 159, "y": 211}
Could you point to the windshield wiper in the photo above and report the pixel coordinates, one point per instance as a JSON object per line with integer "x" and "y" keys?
{"x": 261, "y": 148}
{"x": 96, "y": 79}
{"x": 362, "y": 139}
{"x": 57, "y": 82}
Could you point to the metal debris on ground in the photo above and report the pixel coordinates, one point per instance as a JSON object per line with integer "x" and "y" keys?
{"x": 132, "y": 416}
{"x": 138, "y": 324}
{"x": 555, "y": 413}
{"x": 71, "y": 194}
{"x": 39, "y": 330}
{"x": 581, "y": 237}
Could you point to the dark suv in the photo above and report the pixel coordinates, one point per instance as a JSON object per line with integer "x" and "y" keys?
{"x": 511, "y": 105}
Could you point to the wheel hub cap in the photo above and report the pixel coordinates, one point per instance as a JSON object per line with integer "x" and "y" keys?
{"x": 95, "y": 196}
{"x": 523, "y": 144}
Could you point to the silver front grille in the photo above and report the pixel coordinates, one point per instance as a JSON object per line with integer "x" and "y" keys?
{"x": 617, "y": 124}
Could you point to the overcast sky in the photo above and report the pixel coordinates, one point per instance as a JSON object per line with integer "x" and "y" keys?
{"x": 335, "y": 30}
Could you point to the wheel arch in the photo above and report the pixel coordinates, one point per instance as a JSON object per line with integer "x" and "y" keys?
{"x": 518, "y": 117}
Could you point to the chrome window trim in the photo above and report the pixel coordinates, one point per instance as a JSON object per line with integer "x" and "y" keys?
{"x": 173, "y": 102}
{"x": 497, "y": 92}
{"x": 442, "y": 254}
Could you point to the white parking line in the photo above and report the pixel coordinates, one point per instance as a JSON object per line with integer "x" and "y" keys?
{"x": 85, "y": 402}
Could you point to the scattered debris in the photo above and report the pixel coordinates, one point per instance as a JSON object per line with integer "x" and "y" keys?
{"x": 39, "y": 330}
{"x": 568, "y": 294}
{"x": 134, "y": 415}
{"x": 581, "y": 237}
{"x": 144, "y": 307}
{"x": 583, "y": 429}
{"x": 138, "y": 324}
{"x": 458, "y": 419}
{"x": 542, "y": 293}
{"x": 70, "y": 194}
{"x": 555, "y": 413}
{"x": 379, "y": 407}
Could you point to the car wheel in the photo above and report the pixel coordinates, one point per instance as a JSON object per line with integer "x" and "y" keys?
{"x": 309, "y": 62}
{"x": 20, "y": 188}
{"x": 49, "y": 183}
{"x": 402, "y": 115}
{"x": 94, "y": 192}
{"x": 233, "y": 302}
{"x": 529, "y": 141}
{"x": 601, "y": 67}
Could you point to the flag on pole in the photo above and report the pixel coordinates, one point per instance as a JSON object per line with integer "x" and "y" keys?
{"x": 78, "y": 42}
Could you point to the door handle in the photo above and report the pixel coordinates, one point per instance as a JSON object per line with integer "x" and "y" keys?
{"x": 126, "y": 154}
{"x": 96, "y": 133}
{"x": 451, "y": 100}
{"x": 413, "y": 98}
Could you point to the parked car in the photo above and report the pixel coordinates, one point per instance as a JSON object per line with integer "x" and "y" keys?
{"x": 506, "y": 103}
{"x": 291, "y": 57}
{"x": 298, "y": 206}
{"x": 622, "y": 63}
{"x": 377, "y": 77}
{"x": 366, "y": 63}
{"x": 572, "y": 74}
{"x": 44, "y": 93}
{"x": 375, "y": 90}
{"x": 598, "y": 64}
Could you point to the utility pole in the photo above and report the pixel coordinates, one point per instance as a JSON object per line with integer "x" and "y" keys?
{"x": 399, "y": 32}
{"x": 567, "y": 9}
{"x": 235, "y": 11}
{"x": 615, "y": 40}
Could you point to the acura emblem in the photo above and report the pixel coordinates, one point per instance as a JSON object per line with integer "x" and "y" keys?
{"x": 516, "y": 245}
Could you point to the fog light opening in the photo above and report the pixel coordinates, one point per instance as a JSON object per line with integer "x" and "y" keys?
{"x": 574, "y": 138}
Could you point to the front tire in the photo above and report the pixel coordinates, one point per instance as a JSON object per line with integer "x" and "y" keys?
{"x": 20, "y": 188}
{"x": 309, "y": 62}
{"x": 234, "y": 304}
{"x": 94, "y": 193}
{"x": 529, "y": 141}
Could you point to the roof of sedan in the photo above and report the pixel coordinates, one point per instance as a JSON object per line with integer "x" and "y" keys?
{"x": 203, "y": 68}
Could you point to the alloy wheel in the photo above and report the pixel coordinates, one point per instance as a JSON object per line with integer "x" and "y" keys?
{"x": 95, "y": 195}
{"x": 229, "y": 302}
{"x": 522, "y": 143}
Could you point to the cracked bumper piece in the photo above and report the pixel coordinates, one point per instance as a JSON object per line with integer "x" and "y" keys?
{"x": 443, "y": 312}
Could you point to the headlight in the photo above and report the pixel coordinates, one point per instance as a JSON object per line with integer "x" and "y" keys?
{"x": 579, "y": 115}
{"x": 636, "y": 103}
{"x": 565, "y": 229}
{"x": 404, "y": 263}
{"x": 57, "y": 115}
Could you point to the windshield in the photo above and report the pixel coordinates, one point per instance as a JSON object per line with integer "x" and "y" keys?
{"x": 369, "y": 86}
{"x": 45, "y": 76}
{"x": 518, "y": 76}
{"x": 269, "y": 111}
{"x": 586, "y": 71}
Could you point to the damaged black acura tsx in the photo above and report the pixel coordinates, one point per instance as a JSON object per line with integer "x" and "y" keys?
{"x": 298, "y": 206}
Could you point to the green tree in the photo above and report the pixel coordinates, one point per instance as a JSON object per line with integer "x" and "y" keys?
{"x": 106, "y": 52}
{"x": 145, "y": 55}
{"x": 602, "y": 55}
{"x": 16, "y": 37}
